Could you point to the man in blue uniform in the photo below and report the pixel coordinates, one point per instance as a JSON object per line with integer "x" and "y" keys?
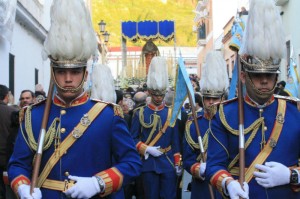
{"x": 157, "y": 141}
{"x": 88, "y": 151}
{"x": 271, "y": 122}
{"x": 214, "y": 83}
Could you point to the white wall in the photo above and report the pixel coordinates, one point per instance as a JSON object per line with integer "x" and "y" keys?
{"x": 4, "y": 61}
{"x": 27, "y": 51}
{"x": 290, "y": 20}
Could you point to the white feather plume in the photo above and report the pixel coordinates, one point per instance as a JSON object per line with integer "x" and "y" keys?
{"x": 214, "y": 75}
{"x": 71, "y": 35}
{"x": 158, "y": 74}
{"x": 264, "y": 35}
{"x": 103, "y": 84}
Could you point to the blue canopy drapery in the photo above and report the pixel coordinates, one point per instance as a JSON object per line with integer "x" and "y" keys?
{"x": 147, "y": 30}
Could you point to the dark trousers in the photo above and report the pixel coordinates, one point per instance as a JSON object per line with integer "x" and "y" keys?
{"x": 2, "y": 185}
{"x": 159, "y": 186}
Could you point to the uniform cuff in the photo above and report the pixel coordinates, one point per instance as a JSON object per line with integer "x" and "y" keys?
{"x": 141, "y": 148}
{"x": 217, "y": 179}
{"x": 113, "y": 180}
{"x": 19, "y": 181}
{"x": 177, "y": 159}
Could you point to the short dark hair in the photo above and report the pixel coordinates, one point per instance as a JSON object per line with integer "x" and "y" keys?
{"x": 3, "y": 91}
{"x": 24, "y": 91}
{"x": 119, "y": 94}
{"x": 282, "y": 83}
{"x": 198, "y": 99}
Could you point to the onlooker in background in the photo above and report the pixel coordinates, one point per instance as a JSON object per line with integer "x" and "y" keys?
{"x": 148, "y": 100}
{"x": 140, "y": 99}
{"x": 26, "y": 98}
{"x": 6, "y": 131}
{"x": 129, "y": 92}
{"x": 195, "y": 85}
{"x": 187, "y": 107}
{"x": 243, "y": 11}
{"x": 39, "y": 93}
{"x": 198, "y": 102}
{"x": 124, "y": 107}
{"x": 169, "y": 97}
{"x": 279, "y": 89}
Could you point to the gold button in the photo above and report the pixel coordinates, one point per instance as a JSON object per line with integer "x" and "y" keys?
{"x": 62, "y": 130}
{"x": 67, "y": 173}
{"x": 62, "y": 112}
{"x": 265, "y": 128}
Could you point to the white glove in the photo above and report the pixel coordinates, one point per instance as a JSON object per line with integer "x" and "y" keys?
{"x": 24, "y": 192}
{"x": 178, "y": 170}
{"x": 272, "y": 174}
{"x": 202, "y": 169}
{"x": 235, "y": 190}
{"x": 85, "y": 187}
{"x": 152, "y": 150}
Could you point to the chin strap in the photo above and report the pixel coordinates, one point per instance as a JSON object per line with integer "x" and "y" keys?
{"x": 258, "y": 96}
{"x": 73, "y": 90}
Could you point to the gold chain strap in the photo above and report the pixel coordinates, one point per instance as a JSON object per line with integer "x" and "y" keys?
{"x": 248, "y": 142}
{"x": 156, "y": 121}
{"x": 254, "y": 125}
{"x": 49, "y": 137}
{"x": 190, "y": 140}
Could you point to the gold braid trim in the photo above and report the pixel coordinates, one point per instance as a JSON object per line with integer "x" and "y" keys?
{"x": 248, "y": 142}
{"x": 191, "y": 142}
{"x": 253, "y": 126}
{"x": 156, "y": 121}
{"x": 212, "y": 134}
{"x": 195, "y": 145}
{"x": 49, "y": 137}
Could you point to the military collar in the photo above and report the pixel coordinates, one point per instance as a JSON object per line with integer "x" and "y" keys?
{"x": 156, "y": 108}
{"x": 249, "y": 101}
{"x": 81, "y": 99}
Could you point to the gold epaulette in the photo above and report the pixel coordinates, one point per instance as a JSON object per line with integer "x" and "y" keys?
{"x": 288, "y": 98}
{"x": 23, "y": 110}
{"x": 117, "y": 108}
{"x": 292, "y": 99}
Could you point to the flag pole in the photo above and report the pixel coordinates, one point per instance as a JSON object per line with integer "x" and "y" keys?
{"x": 39, "y": 151}
{"x": 202, "y": 152}
{"x": 241, "y": 124}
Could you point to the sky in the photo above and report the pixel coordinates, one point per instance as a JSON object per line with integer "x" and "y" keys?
{"x": 223, "y": 11}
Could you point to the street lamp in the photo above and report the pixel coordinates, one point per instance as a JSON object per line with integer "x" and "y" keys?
{"x": 106, "y": 36}
{"x": 102, "y": 25}
{"x": 103, "y": 41}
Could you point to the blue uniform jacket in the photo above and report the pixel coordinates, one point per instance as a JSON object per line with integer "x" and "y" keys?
{"x": 105, "y": 149}
{"x": 165, "y": 162}
{"x": 224, "y": 145}
{"x": 191, "y": 155}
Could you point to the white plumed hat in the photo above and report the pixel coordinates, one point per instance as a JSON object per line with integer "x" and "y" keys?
{"x": 103, "y": 84}
{"x": 214, "y": 78}
{"x": 71, "y": 39}
{"x": 158, "y": 75}
{"x": 263, "y": 44}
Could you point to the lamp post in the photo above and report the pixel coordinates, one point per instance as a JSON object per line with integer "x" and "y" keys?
{"x": 103, "y": 41}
